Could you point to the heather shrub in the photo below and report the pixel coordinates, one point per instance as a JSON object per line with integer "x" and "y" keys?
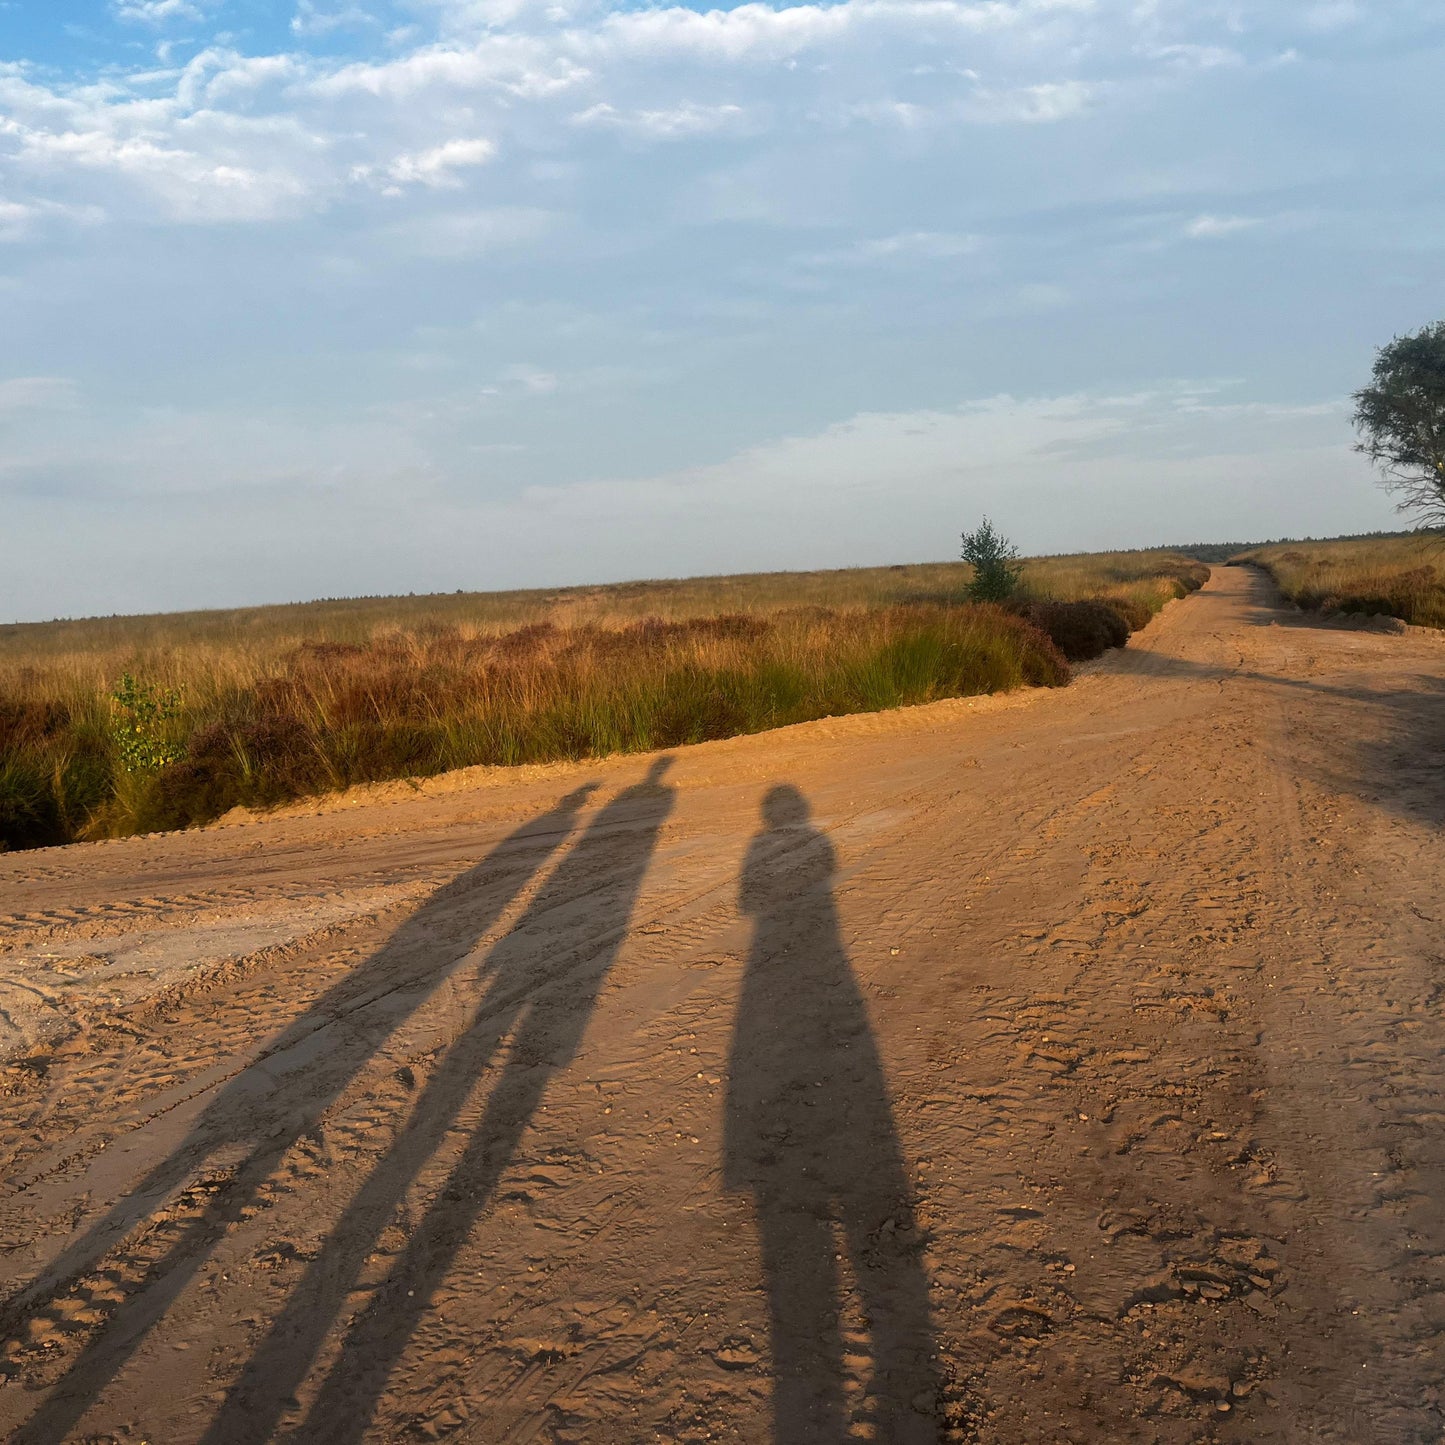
{"x": 1080, "y": 630}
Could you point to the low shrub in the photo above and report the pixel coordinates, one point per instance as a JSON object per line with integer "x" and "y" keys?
{"x": 29, "y": 815}
{"x": 1133, "y": 612}
{"x": 1080, "y": 630}
{"x": 143, "y": 727}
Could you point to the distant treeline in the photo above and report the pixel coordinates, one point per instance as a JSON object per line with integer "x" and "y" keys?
{"x": 1223, "y": 551}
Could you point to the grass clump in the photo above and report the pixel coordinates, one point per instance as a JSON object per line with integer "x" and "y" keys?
{"x": 1400, "y": 577}
{"x": 129, "y": 725}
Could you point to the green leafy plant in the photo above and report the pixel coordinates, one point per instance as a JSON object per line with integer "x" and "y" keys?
{"x": 142, "y": 729}
{"x": 995, "y": 563}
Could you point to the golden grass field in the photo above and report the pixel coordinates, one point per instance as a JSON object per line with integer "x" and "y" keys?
{"x": 254, "y": 706}
{"x": 1401, "y": 576}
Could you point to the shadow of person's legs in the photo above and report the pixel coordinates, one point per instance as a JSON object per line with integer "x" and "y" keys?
{"x": 798, "y": 1248}
{"x": 893, "y": 1290}
{"x": 283, "y": 1359}
{"x": 810, "y": 1133}
{"x": 277, "y": 1106}
{"x": 545, "y": 978}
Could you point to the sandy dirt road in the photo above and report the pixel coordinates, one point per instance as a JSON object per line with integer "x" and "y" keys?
{"x": 1066, "y": 1066}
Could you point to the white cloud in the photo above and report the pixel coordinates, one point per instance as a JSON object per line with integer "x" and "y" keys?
{"x": 530, "y": 379}
{"x": 16, "y": 219}
{"x": 1333, "y": 15}
{"x": 902, "y": 247}
{"x": 1034, "y": 104}
{"x": 309, "y": 19}
{"x": 438, "y": 165}
{"x": 518, "y": 65}
{"x": 670, "y": 123}
{"x": 765, "y": 34}
{"x": 191, "y": 184}
{"x": 1208, "y": 227}
{"x": 1198, "y": 57}
{"x": 156, "y": 12}
{"x": 172, "y": 452}
{"x": 216, "y": 78}
{"x": 924, "y": 245}
{"x": 27, "y": 220}
{"x": 37, "y": 393}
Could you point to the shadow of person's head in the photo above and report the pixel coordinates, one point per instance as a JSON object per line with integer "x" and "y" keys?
{"x": 657, "y": 771}
{"x": 785, "y": 807}
{"x": 574, "y": 800}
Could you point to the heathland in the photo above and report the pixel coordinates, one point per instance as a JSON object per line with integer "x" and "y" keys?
{"x": 113, "y": 726}
{"x": 1399, "y": 576}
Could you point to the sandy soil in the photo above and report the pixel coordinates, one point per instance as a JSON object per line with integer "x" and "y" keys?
{"x": 1066, "y": 1066}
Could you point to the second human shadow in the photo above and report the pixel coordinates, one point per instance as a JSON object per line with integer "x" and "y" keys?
{"x": 542, "y": 982}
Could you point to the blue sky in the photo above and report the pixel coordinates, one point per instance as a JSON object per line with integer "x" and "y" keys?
{"x": 305, "y": 299}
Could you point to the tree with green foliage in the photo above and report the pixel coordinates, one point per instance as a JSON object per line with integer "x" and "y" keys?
{"x": 1400, "y": 417}
{"x": 995, "y": 564}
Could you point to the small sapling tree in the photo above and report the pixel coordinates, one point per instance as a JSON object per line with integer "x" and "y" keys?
{"x": 142, "y": 725}
{"x": 995, "y": 564}
{"x": 1400, "y": 417}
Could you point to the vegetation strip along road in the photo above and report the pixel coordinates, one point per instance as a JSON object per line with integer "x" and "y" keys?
{"x": 119, "y": 726}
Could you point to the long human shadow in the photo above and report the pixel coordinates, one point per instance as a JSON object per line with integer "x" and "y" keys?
{"x": 810, "y": 1133}
{"x": 277, "y": 1100}
{"x": 544, "y": 981}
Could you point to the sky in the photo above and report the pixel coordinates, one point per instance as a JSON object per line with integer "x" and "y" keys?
{"x": 305, "y": 298}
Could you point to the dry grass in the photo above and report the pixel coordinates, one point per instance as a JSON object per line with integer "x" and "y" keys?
{"x": 1396, "y": 576}
{"x": 282, "y": 702}
{"x": 1136, "y": 584}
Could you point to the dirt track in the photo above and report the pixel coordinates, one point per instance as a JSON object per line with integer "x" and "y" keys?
{"x": 1066, "y": 1066}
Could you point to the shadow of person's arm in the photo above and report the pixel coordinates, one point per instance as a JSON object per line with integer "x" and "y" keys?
{"x": 753, "y": 881}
